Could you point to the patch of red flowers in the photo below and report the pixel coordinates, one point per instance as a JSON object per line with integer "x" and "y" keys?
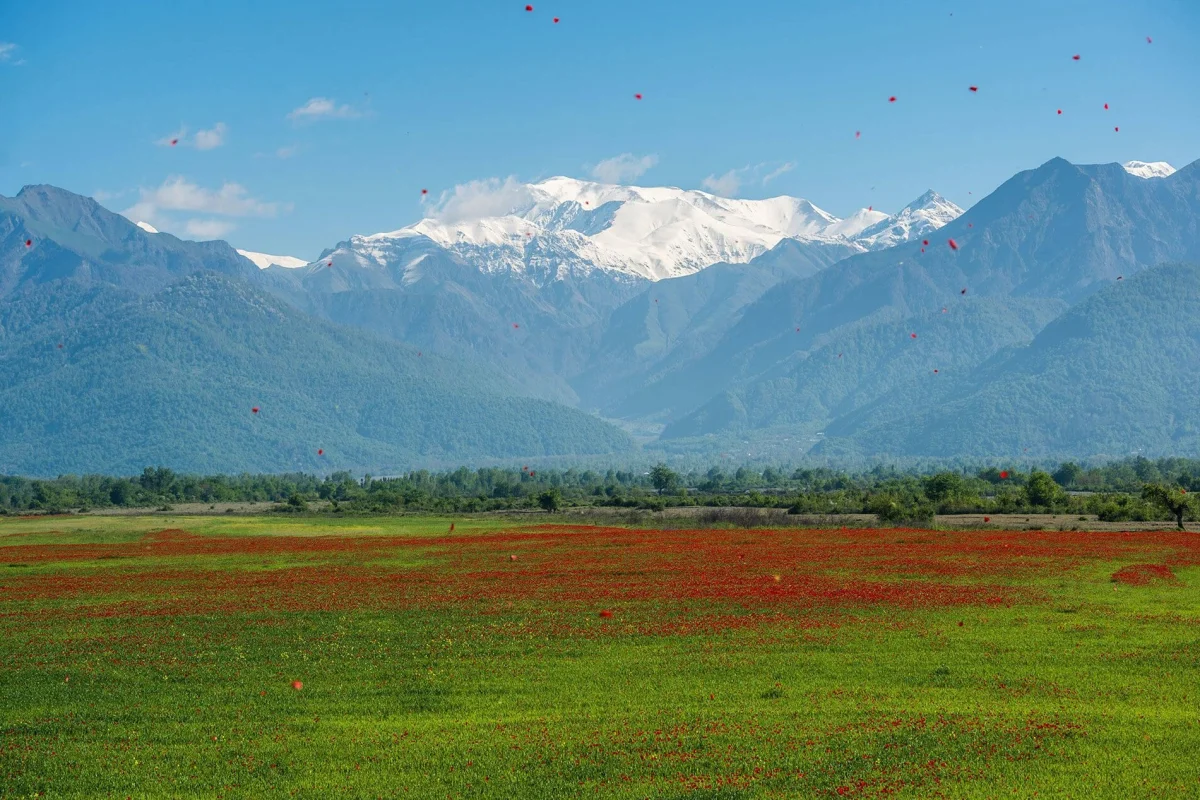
{"x": 1143, "y": 574}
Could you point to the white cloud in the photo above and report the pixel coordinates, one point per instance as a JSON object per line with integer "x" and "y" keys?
{"x": 487, "y": 198}
{"x": 7, "y": 51}
{"x": 726, "y": 185}
{"x": 207, "y": 140}
{"x": 179, "y": 194}
{"x": 321, "y": 108}
{"x": 288, "y": 151}
{"x": 208, "y": 228}
{"x": 623, "y": 168}
{"x": 157, "y": 207}
{"x": 780, "y": 170}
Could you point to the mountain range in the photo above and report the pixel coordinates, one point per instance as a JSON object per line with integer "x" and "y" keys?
{"x": 528, "y": 321}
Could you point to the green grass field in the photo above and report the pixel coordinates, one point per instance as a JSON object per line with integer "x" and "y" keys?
{"x": 388, "y": 657}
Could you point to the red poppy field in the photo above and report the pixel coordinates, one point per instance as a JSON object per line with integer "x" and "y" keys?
{"x": 260, "y": 657}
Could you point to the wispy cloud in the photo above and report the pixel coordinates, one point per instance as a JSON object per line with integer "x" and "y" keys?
{"x": 623, "y": 168}
{"x": 782, "y": 169}
{"x": 101, "y": 196}
{"x": 288, "y": 151}
{"x": 492, "y": 197}
{"x": 727, "y": 185}
{"x": 173, "y": 139}
{"x": 8, "y": 51}
{"x": 159, "y": 205}
{"x": 730, "y": 183}
{"x": 214, "y": 137}
{"x": 322, "y": 108}
{"x": 208, "y": 228}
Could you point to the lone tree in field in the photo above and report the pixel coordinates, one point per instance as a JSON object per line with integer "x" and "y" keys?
{"x": 1177, "y": 502}
{"x": 663, "y": 478}
{"x": 550, "y": 500}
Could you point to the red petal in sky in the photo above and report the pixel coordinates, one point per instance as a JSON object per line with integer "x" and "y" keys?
{"x": 935, "y": 372}
{"x": 29, "y": 242}
{"x": 925, "y": 242}
{"x": 974, "y": 88}
{"x": 320, "y": 452}
{"x": 964, "y": 291}
{"x": 857, "y": 134}
{"x": 1106, "y": 106}
{"x": 870, "y": 208}
{"x": 953, "y": 244}
{"x": 892, "y": 99}
{"x": 556, "y": 20}
{"x": 1060, "y": 111}
{"x": 174, "y": 142}
{"x": 1118, "y": 130}
{"x": 529, "y": 8}
{"x": 424, "y": 191}
{"x": 254, "y": 410}
{"x": 637, "y": 96}
{"x": 515, "y": 325}
{"x": 1075, "y": 58}
{"x": 1004, "y": 475}
{"x": 913, "y": 335}
{"x": 1149, "y": 40}
{"x": 330, "y": 264}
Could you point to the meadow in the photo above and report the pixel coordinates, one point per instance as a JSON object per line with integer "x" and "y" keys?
{"x": 313, "y": 657}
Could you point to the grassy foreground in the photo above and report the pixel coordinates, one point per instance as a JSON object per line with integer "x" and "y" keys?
{"x": 390, "y": 657}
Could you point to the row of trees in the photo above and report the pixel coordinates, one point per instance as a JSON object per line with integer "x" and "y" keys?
{"x": 892, "y": 494}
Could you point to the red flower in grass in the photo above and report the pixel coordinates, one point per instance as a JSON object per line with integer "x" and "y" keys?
{"x": 297, "y": 685}
{"x": 1003, "y": 474}
{"x": 606, "y": 614}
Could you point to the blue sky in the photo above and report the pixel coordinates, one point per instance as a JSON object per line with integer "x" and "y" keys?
{"x": 440, "y": 93}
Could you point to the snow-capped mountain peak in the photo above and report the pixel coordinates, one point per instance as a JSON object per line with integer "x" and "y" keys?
{"x": 263, "y": 260}
{"x": 924, "y": 215}
{"x": 1149, "y": 169}
{"x": 644, "y": 232}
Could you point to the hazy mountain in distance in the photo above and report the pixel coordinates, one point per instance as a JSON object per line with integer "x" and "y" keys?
{"x": 1060, "y": 232}
{"x": 73, "y": 238}
{"x": 172, "y": 378}
{"x": 1118, "y": 374}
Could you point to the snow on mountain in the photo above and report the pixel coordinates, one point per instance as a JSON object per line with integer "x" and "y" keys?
{"x": 564, "y": 224}
{"x": 147, "y": 227}
{"x": 1151, "y": 169}
{"x": 262, "y": 260}
{"x": 856, "y": 223}
{"x": 919, "y": 218}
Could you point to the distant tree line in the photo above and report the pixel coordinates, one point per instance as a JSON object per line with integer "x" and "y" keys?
{"x": 1128, "y": 490}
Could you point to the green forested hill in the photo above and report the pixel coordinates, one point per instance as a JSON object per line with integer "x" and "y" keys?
{"x": 171, "y": 379}
{"x": 1118, "y": 373}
